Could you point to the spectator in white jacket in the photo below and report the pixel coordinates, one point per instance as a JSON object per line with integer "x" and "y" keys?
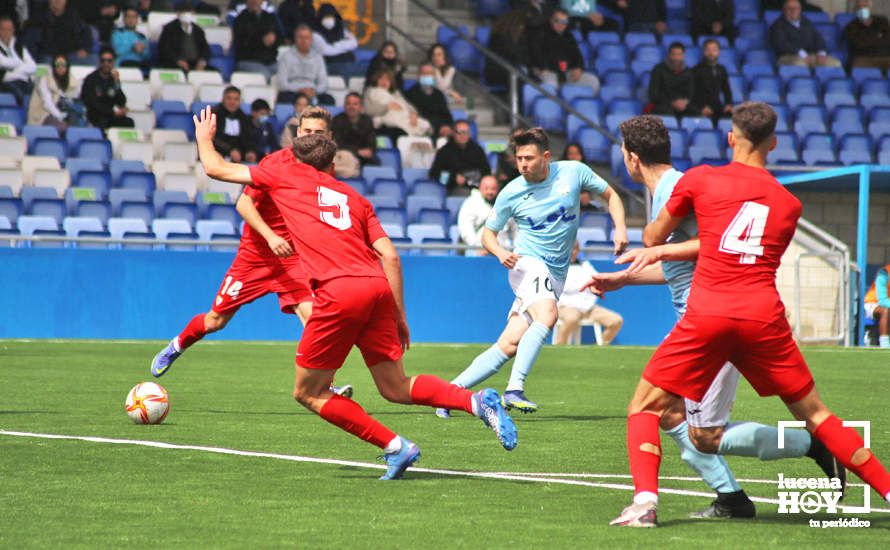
{"x": 335, "y": 42}
{"x": 17, "y": 67}
{"x": 302, "y": 70}
{"x": 576, "y": 305}
{"x": 474, "y": 212}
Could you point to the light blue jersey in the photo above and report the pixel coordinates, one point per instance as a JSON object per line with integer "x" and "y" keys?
{"x": 547, "y": 213}
{"x": 677, "y": 274}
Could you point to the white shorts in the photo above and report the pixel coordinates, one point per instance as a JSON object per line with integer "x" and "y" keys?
{"x": 713, "y": 410}
{"x": 531, "y": 282}
{"x": 870, "y": 310}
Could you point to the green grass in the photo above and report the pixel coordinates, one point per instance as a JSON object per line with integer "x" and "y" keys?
{"x": 238, "y": 395}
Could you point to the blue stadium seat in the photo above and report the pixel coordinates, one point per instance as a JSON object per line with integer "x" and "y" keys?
{"x": 690, "y": 124}
{"x": 100, "y": 210}
{"x": 74, "y": 225}
{"x": 839, "y": 85}
{"x": 753, "y": 31}
{"x": 708, "y": 139}
{"x": 48, "y": 233}
{"x": 29, "y": 194}
{"x": 419, "y": 231}
{"x": 6, "y": 193}
{"x": 51, "y": 147}
{"x": 847, "y": 116}
{"x": 444, "y": 35}
{"x": 623, "y": 79}
{"x": 670, "y": 38}
{"x": 181, "y": 236}
{"x": 164, "y": 106}
{"x": 737, "y": 84}
{"x": 722, "y": 40}
{"x": 464, "y": 56}
{"x": 32, "y": 132}
{"x": 879, "y": 130}
{"x": 144, "y": 181}
{"x": 874, "y": 86}
{"x": 788, "y": 72}
{"x": 758, "y": 57}
{"x": 483, "y": 32}
{"x": 358, "y": 184}
{"x": 530, "y": 94}
{"x": 804, "y": 86}
{"x": 118, "y": 226}
{"x": 834, "y": 100}
{"x": 612, "y": 123}
{"x": 181, "y": 211}
{"x": 116, "y": 196}
{"x": 392, "y": 215}
{"x": 138, "y": 235}
{"x": 389, "y": 187}
{"x": 178, "y": 121}
{"x": 372, "y": 173}
{"x": 8, "y": 100}
{"x": 596, "y": 145}
{"x": 815, "y": 145}
{"x": 95, "y": 234}
{"x": 117, "y": 167}
{"x": 860, "y": 74}
{"x": 634, "y": 39}
{"x": 76, "y": 165}
{"x": 872, "y": 101}
{"x": 570, "y": 92}
{"x": 54, "y": 208}
{"x": 612, "y": 52}
{"x": 437, "y": 252}
{"x": 94, "y": 149}
{"x": 548, "y": 114}
{"x": 434, "y": 216}
{"x": 162, "y": 227}
{"x": 386, "y": 201}
{"x": 11, "y": 208}
{"x": 144, "y": 211}
{"x": 678, "y": 142}
{"x": 856, "y": 149}
{"x": 600, "y": 220}
{"x": 628, "y": 107}
{"x": 766, "y": 88}
{"x": 784, "y": 155}
{"x": 410, "y": 175}
{"x": 74, "y": 135}
{"x": 414, "y": 204}
{"x": 592, "y": 108}
{"x": 207, "y": 229}
{"x": 825, "y": 74}
{"x": 753, "y": 70}
{"x": 809, "y": 118}
{"x": 100, "y": 180}
{"x": 225, "y": 212}
{"x": 453, "y": 205}
{"x": 595, "y": 39}
{"x": 391, "y": 158}
{"x": 787, "y": 140}
{"x": 14, "y": 116}
{"x": 428, "y": 188}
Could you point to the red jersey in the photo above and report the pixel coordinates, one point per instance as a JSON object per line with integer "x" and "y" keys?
{"x": 252, "y": 243}
{"x": 746, "y": 220}
{"x": 332, "y": 225}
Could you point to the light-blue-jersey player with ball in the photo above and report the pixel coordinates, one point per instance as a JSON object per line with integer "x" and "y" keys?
{"x": 545, "y": 203}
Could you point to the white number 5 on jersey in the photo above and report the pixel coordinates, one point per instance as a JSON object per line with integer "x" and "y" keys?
{"x": 743, "y": 235}
{"x": 334, "y": 210}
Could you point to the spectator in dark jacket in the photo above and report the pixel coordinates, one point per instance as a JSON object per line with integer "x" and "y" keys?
{"x": 430, "y": 102}
{"x": 671, "y": 85}
{"x": 387, "y": 57}
{"x": 144, "y": 7}
{"x": 584, "y": 17}
{"x": 255, "y": 37}
{"x": 233, "y": 128}
{"x": 65, "y": 32}
{"x": 642, "y": 15}
{"x": 183, "y": 44}
{"x": 16, "y": 10}
{"x": 796, "y": 41}
{"x": 713, "y": 17}
{"x": 507, "y": 39}
{"x": 555, "y": 58}
{"x": 353, "y": 130}
{"x": 460, "y": 163}
{"x": 710, "y": 80}
{"x": 263, "y": 136}
{"x": 99, "y": 13}
{"x": 102, "y": 96}
{"x": 292, "y": 13}
{"x": 868, "y": 38}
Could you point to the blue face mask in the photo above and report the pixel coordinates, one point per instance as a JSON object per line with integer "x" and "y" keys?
{"x": 863, "y": 13}
{"x": 427, "y": 80}
{"x": 264, "y": 119}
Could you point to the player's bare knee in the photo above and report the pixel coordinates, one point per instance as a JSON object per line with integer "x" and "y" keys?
{"x": 706, "y": 440}
{"x": 396, "y": 395}
{"x": 650, "y": 448}
{"x": 214, "y": 321}
{"x": 508, "y": 345}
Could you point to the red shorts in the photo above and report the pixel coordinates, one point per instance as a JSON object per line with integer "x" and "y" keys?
{"x": 699, "y": 345}
{"x": 250, "y": 278}
{"x": 350, "y": 311}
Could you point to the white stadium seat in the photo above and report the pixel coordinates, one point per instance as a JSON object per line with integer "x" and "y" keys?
{"x": 211, "y": 93}
{"x": 242, "y": 79}
{"x": 419, "y": 231}
{"x": 357, "y": 84}
{"x": 73, "y": 225}
{"x": 138, "y": 94}
{"x": 130, "y": 74}
{"x": 163, "y": 227}
{"x": 144, "y": 120}
{"x": 393, "y": 230}
{"x": 156, "y": 22}
{"x": 217, "y": 186}
{"x": 158, "y": 77}
{"x": 32, "y": 163}
{"x": 117, "y": 136}
{"x": 80, "y": 71}
{"x": 184, "y": 152}
{"x": 12, "y": 178}
{"x": 137, "y": 150}
{"x": 199, "y": 78}
{"x": 181, "y": 91}
{"x": 162, "y": 136}
{"x": 251, "y": 93}
{"x": 29, "y": 224}
{"x": 60, "y": 180}
{"x": 219, "y": 35}
{"x": 174, "y": 181}
{"x": 336, "y": 83}
{"x": 118, "y": 226}
{"x": 14, "y": 147}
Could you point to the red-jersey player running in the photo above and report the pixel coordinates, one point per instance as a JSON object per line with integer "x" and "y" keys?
{"x": 265, "y": 263}
{"x": 357, "y": 302}
{"x": 746, "y": 220}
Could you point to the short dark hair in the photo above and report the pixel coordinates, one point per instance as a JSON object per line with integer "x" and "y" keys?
{"x": 677, "y": 45}
{"x": 315, "y": 150}
{"x": 530, "y": 136}
{"x": 755, "y": 120}
{"x": 260, "y": 104}
{"x": 316, "y": 112}
{"x": 107, "y": 51}
{"x": 352, "y": 94}
{"x": 230, "y": 89}
{"x": 648, "y": 138}
{"x": 710, "y": 41}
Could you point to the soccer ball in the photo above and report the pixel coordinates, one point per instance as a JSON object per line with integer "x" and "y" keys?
{"x": 147, "y": 403}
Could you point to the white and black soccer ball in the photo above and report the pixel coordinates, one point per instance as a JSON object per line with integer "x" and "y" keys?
{"x": 147, "y": 403}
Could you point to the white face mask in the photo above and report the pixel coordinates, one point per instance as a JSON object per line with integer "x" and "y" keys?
{"x": 328, "y": 23}
{"x": 186, "y": 18}
{"x": 863, "y": 13}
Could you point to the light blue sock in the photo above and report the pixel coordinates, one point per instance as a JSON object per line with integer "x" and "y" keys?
{"x": 529, "y": 346}
{"x": 712, "y": 468}
{"x": 762, "y": 441}
{"x": 884, "y": 341}
{"x": 483, "y": 366}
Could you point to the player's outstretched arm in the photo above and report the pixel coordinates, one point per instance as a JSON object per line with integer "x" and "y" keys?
{"x": 616, "y": 210}
{"x": 280, "y": 247}
{"x": 490, "y": 243}
{"x": 215, "y": 165}
{"x": 601, "y": 283}
{"x": 392, "y": 268}
{"x": 657, "y": 231}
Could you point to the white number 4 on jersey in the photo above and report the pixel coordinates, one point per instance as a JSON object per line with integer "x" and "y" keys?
{"x": 743, "y": 235}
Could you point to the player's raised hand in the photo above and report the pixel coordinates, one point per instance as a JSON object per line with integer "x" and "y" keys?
{"x": 620, "y": 240}
{"x": 280, "y": 247}
{"x": 601, "y": 283}
{"x": 404, "y": 333}
{"x": 508, "y": 259}
{"x": 205, "y": 126}
{"x": 639, "y": 258}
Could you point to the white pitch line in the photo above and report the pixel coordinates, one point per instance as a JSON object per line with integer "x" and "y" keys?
{"x": 560, "y": 479}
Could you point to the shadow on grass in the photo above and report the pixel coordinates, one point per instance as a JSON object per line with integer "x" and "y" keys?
{"x": 30, "y": 412}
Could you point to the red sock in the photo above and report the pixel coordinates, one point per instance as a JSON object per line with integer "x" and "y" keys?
{"x": 193, "y": 332}
{"x": 843, "y": 442}
{"x": 643, "y": 428}
{"x": 434, "y": 392}
{"x": 348, "y": 415}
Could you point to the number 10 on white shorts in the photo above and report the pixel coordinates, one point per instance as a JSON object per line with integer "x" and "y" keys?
{"x": 532, "y": 282}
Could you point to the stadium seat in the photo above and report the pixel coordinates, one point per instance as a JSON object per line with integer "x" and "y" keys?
{"x": 414, "y": 204}
{"x": 548, "y": 114}
{"x": 30, "y": 194}
{"x": 243, "y": 79}
{"x": 181, "y": 121}
{"x": 679, "y": 143}
{"x": 396, "y": 216}
{"x": 181, "y": 211}
{"x": 134, "y": 235}
{"x": 856, "y": 149}
{"x": 226, "y": 212}
{"x": 601, "y": 220}
{"x": 809, "y": 118}
{"x": 390, "y": 158}
{"x": 73, "y": 225}
{"x": 597, "y": 38}
{"x": 434, "y": 216}
{"x": 142, "y": 181}
{"x": 411, "y": 175}
{"x": 388, "y": 187}
{"x": 593, "y": 233}
{"x": 444, "y": 34}
{"x": 595, "y": 145}
{"x": 206, "y": 229}
{"x": 13, "y": 115}
{"x": 419, "y": 231}
{"x": 11, "y": 182}
{"x": 31, "y": 132}
{"x": 186, "y": 182}
{"x": 453, "y": 204}
{"x": 100, "y": 180}
{"x": 100, "y": 210}
{"x": 28, "y": 224}
{"x": 833, "y": 100}
{"x": 570, "y": 92}
{"x": 373, "y": 173}
{"x": 54, "y": 208}
{"x": 74, "y": 135}
{"x": 847, "y": 119}
{"x": 428, "y": 188}
{"x": 437, "y": 251}
{"x": 815, "y": 145}
{"x": 163, "y": 227}
{"x": 530, "y": 94}
{"x": 393, "y": 230}
{"x": 860, "y": 74}
{"x": 5, "y": 223}
{"x": 464, "y": 56}
{"x": 358, "y": 184}
{"x": 118, "y": 226}
{"x": 138, "y": 94}
{"x": 160, "y": 77}
{"x": 173, "y": 91}
{"x": 117, "y": 167}
{"x": 116, "y": 196}
{"x": 784, "y": 155}
{"x": 137, "y": 151}
{"x": 142, "y": 210}
{"x": 48, "y": 147}
{"x": 58, "y": 180}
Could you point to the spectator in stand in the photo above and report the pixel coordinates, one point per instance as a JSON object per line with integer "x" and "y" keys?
{"x": 796, "y": 41}
{"x": 507, "y": 39}
{"x": 642, "y": 15}
{"x": 335, "y": 42}
{"x": 713, "y": 18}
{"x": 537, "y": 14}
{"x": 54, "y": 101}
{"x": 17, "y": 10}
{"x": 292, "y": 13}
{"x": 555, "y": 58}
{"x": 506, "y": 167}
{"x": 353, "y": 131}
{"x": 584, "y": 17}
{"x": 392, "y": 114}
{"x": 289, "y": 133}
{"x": 444, "y": 73}
{"x": 868, "y": 38}
{"x": 460, "y": 163}
{"x": 576, "y": 305}
{"x": 237, "y": 7}
{"x": 65, "y": 32}
{"x": 387, "y": 57}
{"x": 103, "y": 97}
{"x": 776, "y": 5}
{"x": 17, "y": 67}
{"x": 474, "y": 212}
{"x": 671, "y": 85}
{"x": 430, "y": 102}
{"x": 709, "y": 80}
{"x": 877, "y": 305}
{"x": 263, "y": 136}
{"x": 301, "y": 70}
{"x": 255, "y": 37}
{"x": 183, "y": 44}
{"x": 101, "y": 14}
{"x": 144, "y": 7}
{"x": 130, "y": 45}
{"x": 574, "y": 151}
{"x": 233, "y": 134}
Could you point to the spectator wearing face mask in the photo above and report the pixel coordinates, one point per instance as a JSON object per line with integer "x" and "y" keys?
{"x": 183, "y": 44}
{"x": 387, "y": 58}
{"x": 430, "y": 102}
{"x": 263, "y": 139}
{"x": 335, "y": 42}
{"x": 868, "y": 38}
